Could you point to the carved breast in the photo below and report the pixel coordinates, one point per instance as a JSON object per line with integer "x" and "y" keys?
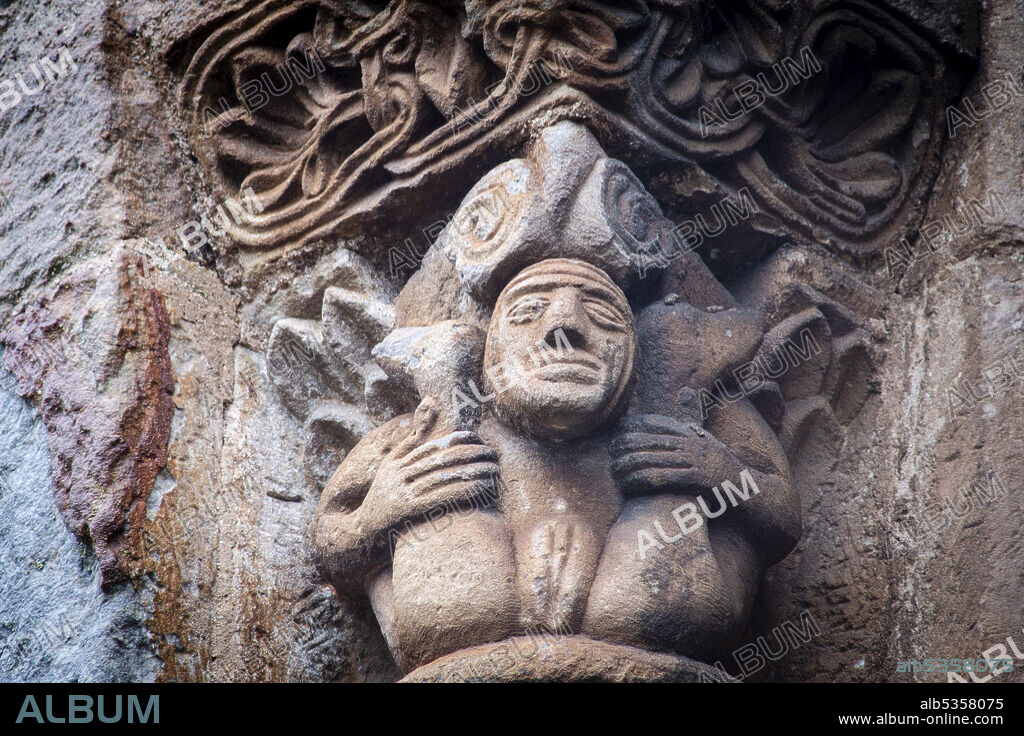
{"x": 452, "y": 586}
{"x": 526, "y": 567}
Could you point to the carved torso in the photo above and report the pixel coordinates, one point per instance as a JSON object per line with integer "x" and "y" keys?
{"x": 524, "y": 565}
{"x": 559, "y": 504}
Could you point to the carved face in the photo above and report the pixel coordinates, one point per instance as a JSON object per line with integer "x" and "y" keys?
{"x": 559, "y": 350}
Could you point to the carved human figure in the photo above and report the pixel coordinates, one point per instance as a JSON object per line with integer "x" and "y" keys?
{"x": 593, "y": 451}
{"x": 581, "y": 492}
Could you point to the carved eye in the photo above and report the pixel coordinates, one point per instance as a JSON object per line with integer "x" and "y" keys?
{"x": 527, "y": 309}
{"x": 602, "y": 315}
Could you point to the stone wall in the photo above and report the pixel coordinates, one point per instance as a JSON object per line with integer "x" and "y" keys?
{"x": 211, "y": 577}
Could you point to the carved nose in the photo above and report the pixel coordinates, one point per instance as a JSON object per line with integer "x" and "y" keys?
{"x": 573, "y": 335}
{"x": 565, "y": 315}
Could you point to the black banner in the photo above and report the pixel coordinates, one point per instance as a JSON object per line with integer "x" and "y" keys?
{"x": 673, "y": 707}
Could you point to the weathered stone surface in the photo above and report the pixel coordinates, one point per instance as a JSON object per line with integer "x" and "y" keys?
{"x": 92, "y": 354}
{"x": 54, "y": 199}
{"x": 56, "y": 624}
{"x": 225, "y": 587}
{"x": 561, "y": 659}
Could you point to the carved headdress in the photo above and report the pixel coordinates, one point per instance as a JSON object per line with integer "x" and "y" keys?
{"x": 565, "y": 199}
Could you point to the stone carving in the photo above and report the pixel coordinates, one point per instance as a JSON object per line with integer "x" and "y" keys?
{"x": 349, "y": 118}
{"x": 323, "y": 369}
{"x": 570, "y": 138}
{"x": 474, "y": 501}
{"x": 91, "y": 353}
{"x": 475, "y": 520}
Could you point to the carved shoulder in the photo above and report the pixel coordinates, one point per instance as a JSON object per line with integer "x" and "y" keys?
{"x": 772, "y": 517}
{"x": 350, "y": 482}
{"x": 344, "y": 552}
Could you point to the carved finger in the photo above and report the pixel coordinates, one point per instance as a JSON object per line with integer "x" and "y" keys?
{"x": 655, "y": 479}
{"x": 655, "y": 424}
{"x": 451, "y": 457}
{"x": 422, "y": 422}
{"x": 457, "y": 494}
{"x": 639, "y": 461}
{"x": 643, "y": 441}
{"x": 441, "y": 443}
{"x": 475, "y": 472}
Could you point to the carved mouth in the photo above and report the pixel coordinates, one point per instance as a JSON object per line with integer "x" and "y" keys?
{"x": 578, "y": 369}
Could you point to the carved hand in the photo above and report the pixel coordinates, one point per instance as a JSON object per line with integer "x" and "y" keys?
{"x": 420, "y": 476}
{"x": 652, "y": 453}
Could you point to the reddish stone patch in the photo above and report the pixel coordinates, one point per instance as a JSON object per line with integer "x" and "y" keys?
{"x": 91, "y": 353}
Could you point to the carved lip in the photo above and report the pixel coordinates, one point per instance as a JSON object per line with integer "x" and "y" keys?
{"x": 579, "y": 369}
